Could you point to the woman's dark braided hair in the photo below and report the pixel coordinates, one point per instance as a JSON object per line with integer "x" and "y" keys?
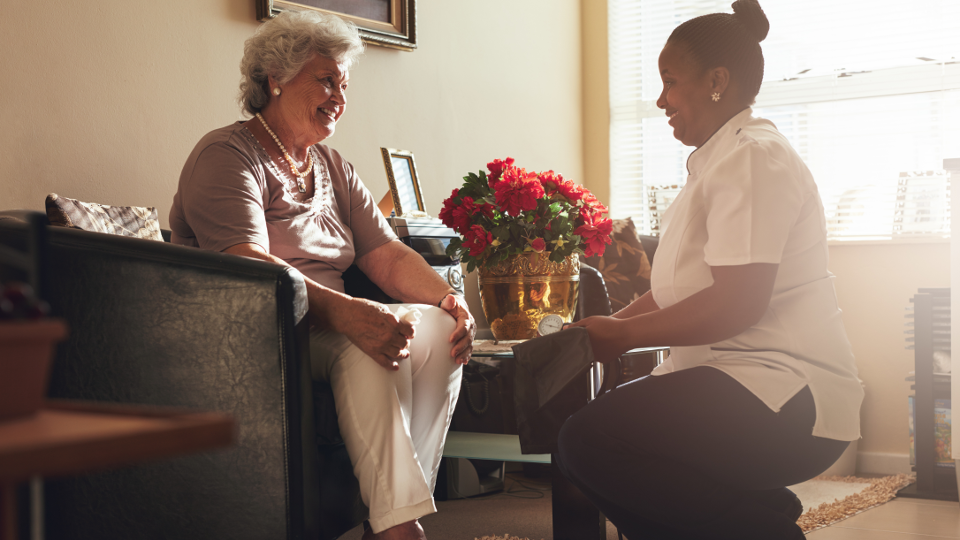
{"x": 730, "y": 41}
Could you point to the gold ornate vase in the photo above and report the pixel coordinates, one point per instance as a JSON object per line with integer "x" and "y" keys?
{"x": 518, "y": 292}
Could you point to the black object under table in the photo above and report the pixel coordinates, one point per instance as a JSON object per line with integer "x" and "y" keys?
{"x": 574, "y": 516}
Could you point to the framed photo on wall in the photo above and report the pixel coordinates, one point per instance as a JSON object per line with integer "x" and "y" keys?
{"x": 404, "y": 182}
{"x": 388, "y": 23}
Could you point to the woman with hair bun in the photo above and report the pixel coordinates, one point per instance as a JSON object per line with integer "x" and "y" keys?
{"x": 760, "y": 390}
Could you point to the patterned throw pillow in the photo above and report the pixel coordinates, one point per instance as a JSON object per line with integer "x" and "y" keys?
{"x": 624, "y": 265}
{"x": 135, "y": 221}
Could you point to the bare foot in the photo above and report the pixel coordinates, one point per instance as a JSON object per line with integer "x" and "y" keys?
{"x": 410, "y": 530}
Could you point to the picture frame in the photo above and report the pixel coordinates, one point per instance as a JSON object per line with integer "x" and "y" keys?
{"x": 404, "y": 182}
{"x": 387, "y": 23}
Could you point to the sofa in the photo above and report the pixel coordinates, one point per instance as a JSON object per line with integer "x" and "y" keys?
{"x": 159, "y": 324}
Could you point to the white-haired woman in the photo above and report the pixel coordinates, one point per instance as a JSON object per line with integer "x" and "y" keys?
{"x": 265, "y": 188}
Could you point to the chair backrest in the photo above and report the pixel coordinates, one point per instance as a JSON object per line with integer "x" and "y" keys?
{"x": 592, "y": 299}
{"x": 650, "y": 244}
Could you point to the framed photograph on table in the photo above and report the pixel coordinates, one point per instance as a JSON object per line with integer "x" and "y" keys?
{"x": 404, "y": 183}
{"x": 388, "y": 23}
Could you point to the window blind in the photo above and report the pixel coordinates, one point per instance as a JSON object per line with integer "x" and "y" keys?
{"x": 867, "y": 92}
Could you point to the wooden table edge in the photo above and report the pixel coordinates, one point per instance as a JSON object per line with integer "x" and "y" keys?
{"x": 193, "y": 431}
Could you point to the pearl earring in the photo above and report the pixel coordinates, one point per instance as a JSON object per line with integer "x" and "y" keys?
{"x": 276, "y": 92}
{"x": 715, "y": 96}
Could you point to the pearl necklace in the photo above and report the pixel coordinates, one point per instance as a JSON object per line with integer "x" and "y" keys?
{"x": 293, "y": 164}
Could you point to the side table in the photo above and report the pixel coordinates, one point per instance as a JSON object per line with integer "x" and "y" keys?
{"x": 72, "y": 437}
{"x": 574, "y": 516}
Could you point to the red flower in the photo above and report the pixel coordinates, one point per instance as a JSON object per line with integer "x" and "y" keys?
{"x": 462, "y": 213}
{"x": 446, "y": 213}
{"x": 595, "y": 233}
{"x": 551, "y": 181}
{"x": 538, "y": 245}
{"x": 496, "y": 168}
{"x": 589, "y": 199}
{"x": 571, "y": 191}
{"x": 485, "y": 209}
{"x": 476, "y": 239}
{"x": 518, "y": 191}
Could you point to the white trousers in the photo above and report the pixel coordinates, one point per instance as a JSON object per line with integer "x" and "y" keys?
{"x": 394, "y": 423}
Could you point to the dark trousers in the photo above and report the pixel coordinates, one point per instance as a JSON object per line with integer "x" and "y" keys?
{"x": 693, "y": 454}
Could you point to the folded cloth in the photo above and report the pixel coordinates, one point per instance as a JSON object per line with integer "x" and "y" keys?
{"x": 543, "y": 378}
{"x": 555, "y": 360}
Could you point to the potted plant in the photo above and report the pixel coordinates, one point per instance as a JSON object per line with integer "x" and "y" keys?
{"x": 27, "y": 340}
{"x": 523, "y": 231}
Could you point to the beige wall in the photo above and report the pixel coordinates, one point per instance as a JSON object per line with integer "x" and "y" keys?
{"x": 874, "y": 286}
{"x": 104, "y": 101}
{"x": 596, "y": 99}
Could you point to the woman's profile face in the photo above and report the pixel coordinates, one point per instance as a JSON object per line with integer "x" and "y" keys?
{"x": 313, "y": 101}
{"x": 686, "y": 96}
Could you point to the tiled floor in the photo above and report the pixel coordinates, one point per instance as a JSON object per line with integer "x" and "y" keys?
{"x": 899, "y": 519}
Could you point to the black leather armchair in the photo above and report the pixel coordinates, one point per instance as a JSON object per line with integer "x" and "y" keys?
{"x": 159, "y": 324}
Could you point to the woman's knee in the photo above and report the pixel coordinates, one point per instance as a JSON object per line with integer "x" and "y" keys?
{"x": 431, "y": 344}
{"x": 434, "y": 327}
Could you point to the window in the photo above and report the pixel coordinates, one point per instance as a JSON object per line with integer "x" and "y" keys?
{"x": 867, "y": 92}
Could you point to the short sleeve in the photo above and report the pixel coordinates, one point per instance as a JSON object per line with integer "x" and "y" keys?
{"x": 223, "y": 200}
{"x": 752, "y": 198}
{"x": 370, "y": 229}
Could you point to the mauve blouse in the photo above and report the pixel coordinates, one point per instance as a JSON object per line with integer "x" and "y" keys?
{"x": 231, "y": 192}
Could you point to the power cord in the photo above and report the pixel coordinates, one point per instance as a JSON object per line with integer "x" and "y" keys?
{"x": 527, "y": 491}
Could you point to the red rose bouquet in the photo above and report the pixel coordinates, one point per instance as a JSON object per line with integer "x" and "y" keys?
{"x": 510, "y": 211}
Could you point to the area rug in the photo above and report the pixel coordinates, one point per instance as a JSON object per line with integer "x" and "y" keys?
{"x": 827, "y": 499}
{"x": 831, "y": 499}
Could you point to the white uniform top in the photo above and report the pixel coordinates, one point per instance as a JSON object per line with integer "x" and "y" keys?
{"x": 749, "y": 198}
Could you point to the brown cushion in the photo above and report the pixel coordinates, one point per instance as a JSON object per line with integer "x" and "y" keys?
{"x": 624, "y": 265}
{"x": 135, "y": 221}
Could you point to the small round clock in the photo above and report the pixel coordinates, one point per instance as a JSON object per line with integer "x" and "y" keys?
{"x": 550, "y": 324}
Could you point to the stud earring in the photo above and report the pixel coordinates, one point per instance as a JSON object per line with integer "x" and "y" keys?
{"x": 276, "y": 92}
{"x": 715, "y": 96}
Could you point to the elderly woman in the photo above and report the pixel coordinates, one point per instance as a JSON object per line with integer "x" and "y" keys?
{"x": 265, "y": 188}
{"x": 760, "y": 390}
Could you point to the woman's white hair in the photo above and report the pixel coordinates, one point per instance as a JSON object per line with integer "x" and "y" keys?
{"x": 283, "y": 45}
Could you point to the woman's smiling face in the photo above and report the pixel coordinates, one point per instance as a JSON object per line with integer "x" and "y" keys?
{"x": 686, "y": 96}
{"x": 313, "y": 101}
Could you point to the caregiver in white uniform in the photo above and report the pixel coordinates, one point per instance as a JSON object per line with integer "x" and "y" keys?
{"x": 760, "y": 390}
